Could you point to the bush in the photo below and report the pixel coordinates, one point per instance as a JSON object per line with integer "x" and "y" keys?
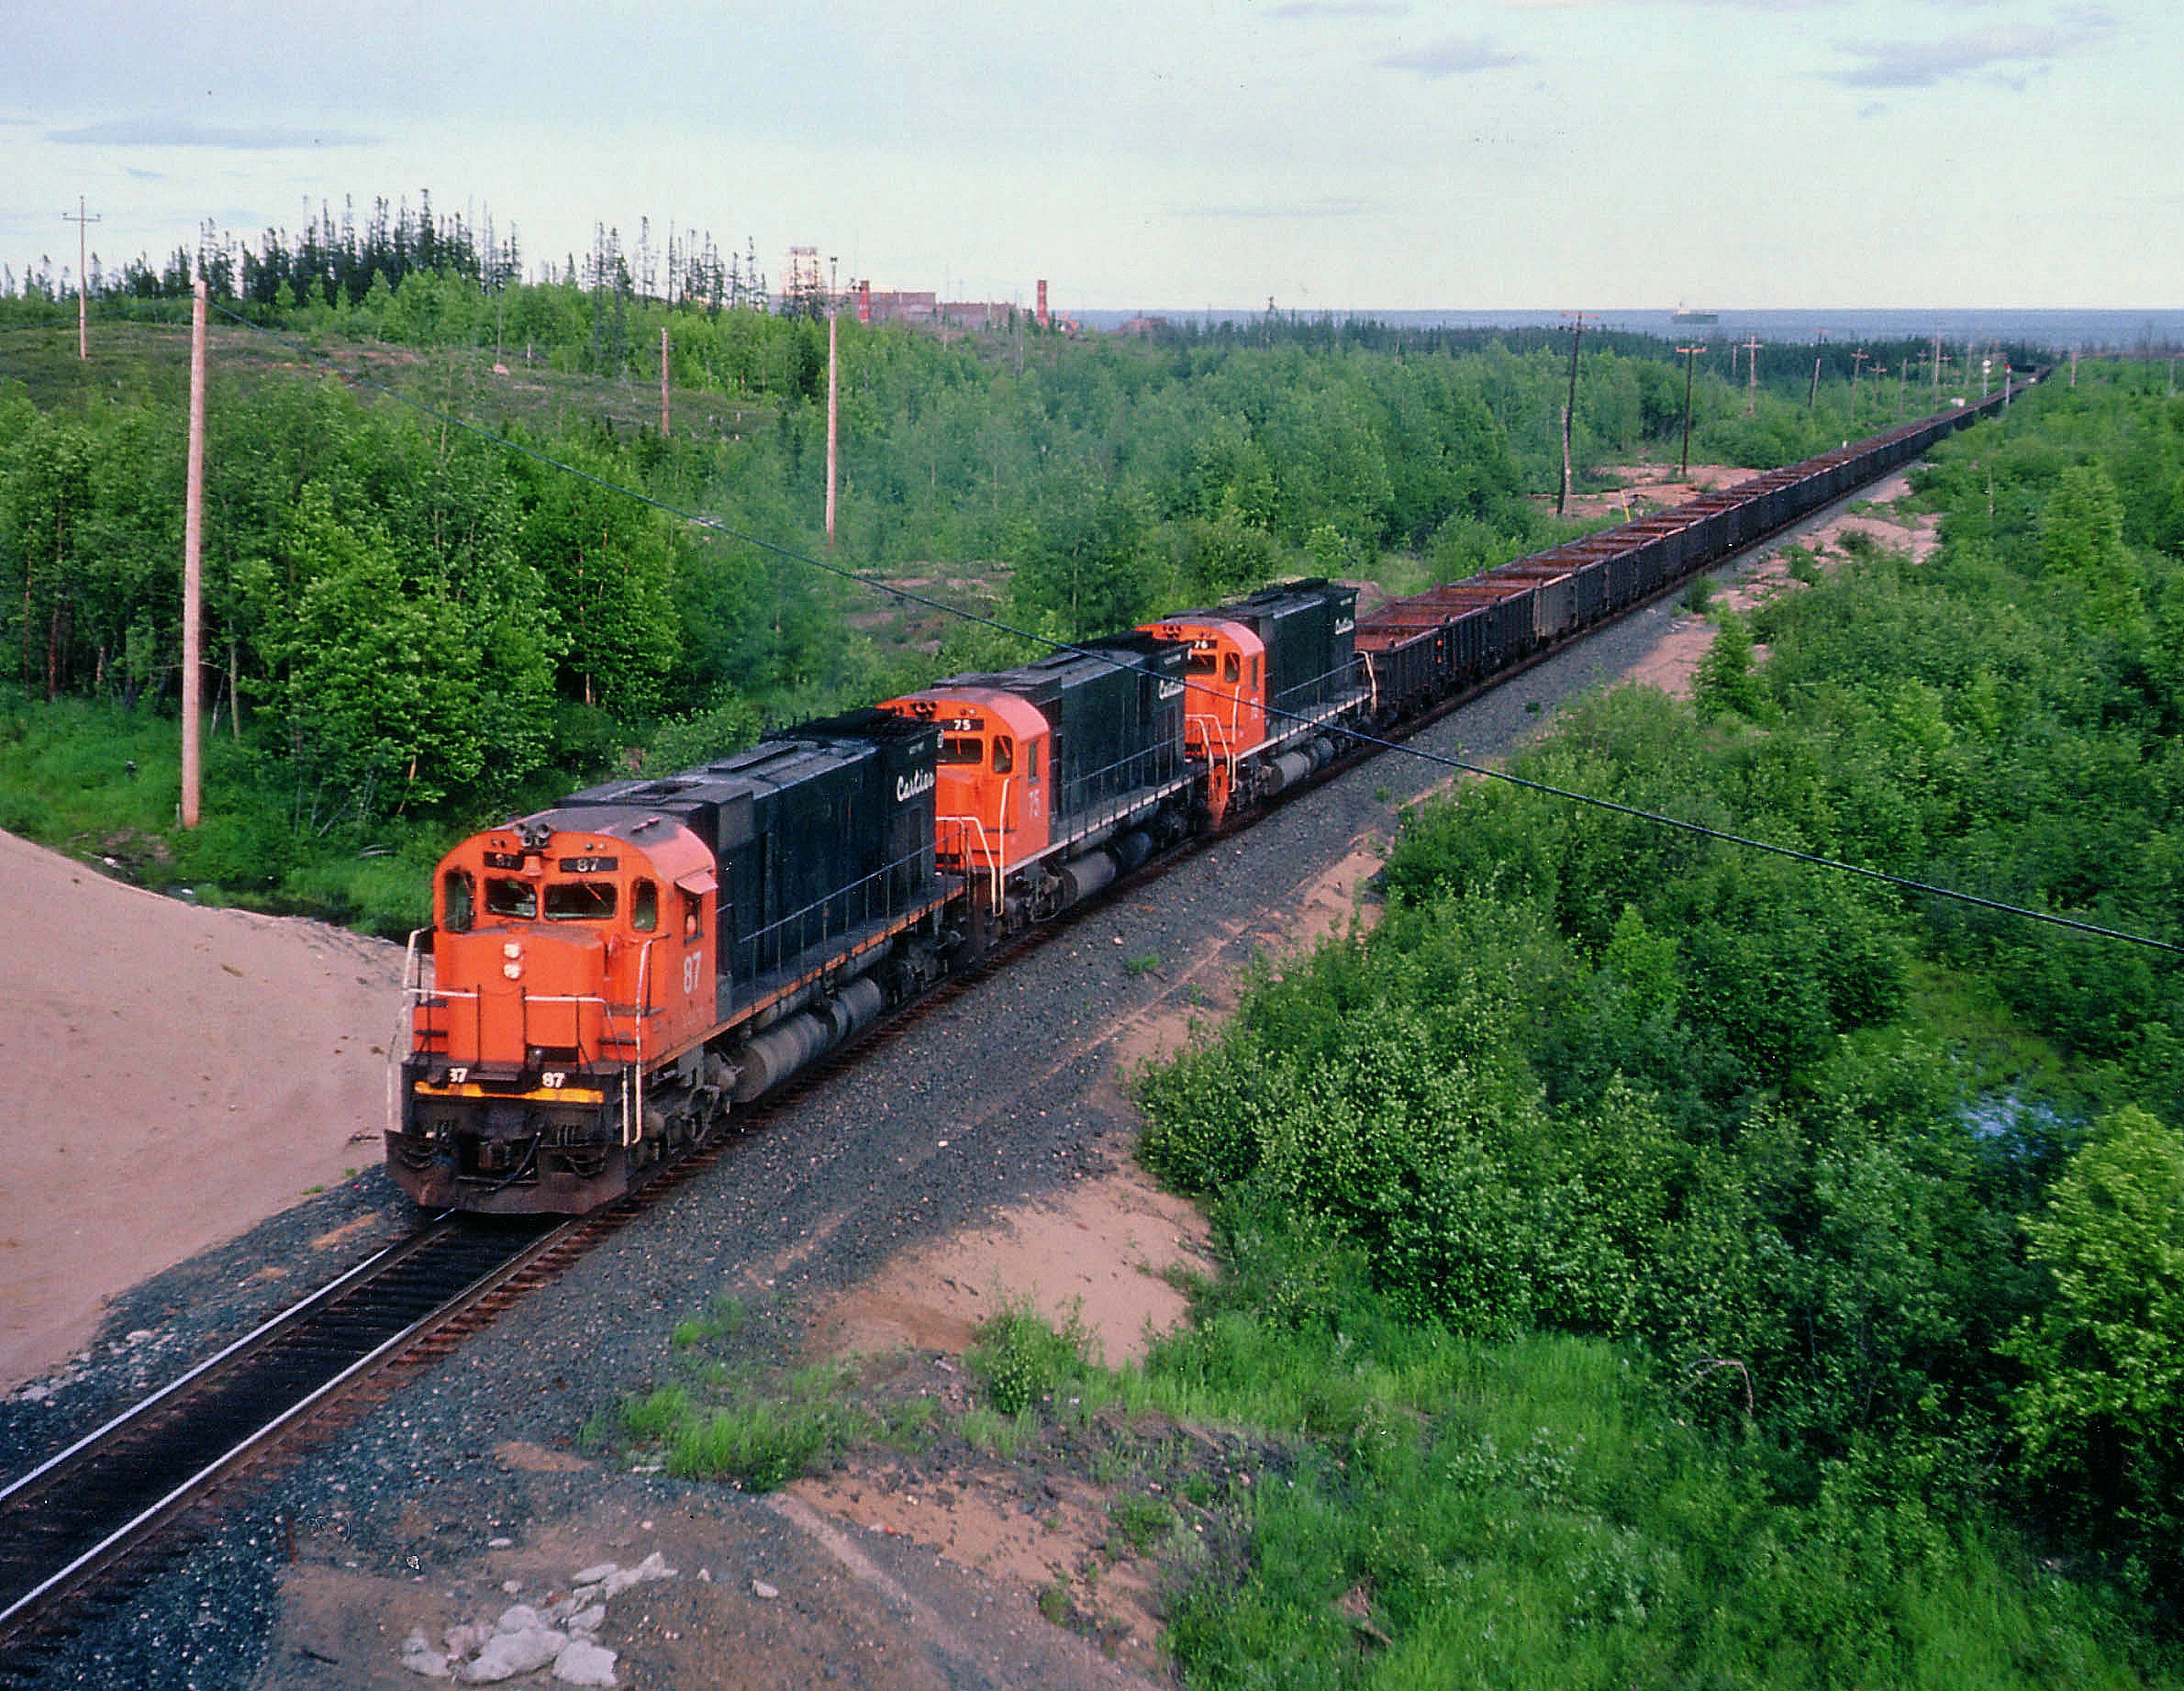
{"x": 1024, "y": 1361}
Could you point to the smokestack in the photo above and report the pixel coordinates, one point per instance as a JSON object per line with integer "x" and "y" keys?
{"x": 1042, "y": 323}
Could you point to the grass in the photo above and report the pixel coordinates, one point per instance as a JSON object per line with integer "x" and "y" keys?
{"x": 103, "y": 783}
{"x": 723, "y": 1319}
{"x": 1361, "y": 1501}
{"x": 1023, "y": 1362}
{"x": 740, "y": 1433}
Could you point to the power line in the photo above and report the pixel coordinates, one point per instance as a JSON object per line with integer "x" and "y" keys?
{"x": 1459, "y": 765}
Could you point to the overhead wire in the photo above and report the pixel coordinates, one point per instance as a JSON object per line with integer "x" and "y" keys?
{"x": 1357, "y": 736}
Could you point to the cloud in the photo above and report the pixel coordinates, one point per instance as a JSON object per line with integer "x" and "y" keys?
{"x": 1456, "y": 55}
{"x": 2005, "y": 53}
{"x": 181, "y": 132}
{"x": 1339, "y": 9}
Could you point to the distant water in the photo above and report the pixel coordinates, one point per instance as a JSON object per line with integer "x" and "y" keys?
{"x": 2058, "y": 331}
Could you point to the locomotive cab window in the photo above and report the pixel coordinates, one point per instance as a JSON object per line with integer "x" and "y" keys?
{"x": 1030, "y": 760}
{"x": 579, "y": 901}
{"x": 505, "y": 895}
{"x": 1227, "y": 668}
{"x": 692, "y": 927}
{"x": 644, "y": 906}
{"x": 962, "y": 749}
{"x": 1201, "y": 663}
{"x": 457, "y": 900}
{"x": 1004, "y": 754}
{"x": 1255, "y": 671}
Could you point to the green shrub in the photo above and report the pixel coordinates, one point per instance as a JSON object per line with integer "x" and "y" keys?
{"x": 1023, "y": 1360}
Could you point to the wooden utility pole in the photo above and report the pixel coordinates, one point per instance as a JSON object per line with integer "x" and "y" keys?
{"x": 1813, "y": 393}
{"x": 2073, "y": 367}
{"x": 1752, "y": 375}
{"x": 833, "y": 388}
{"x": 1937, "y": 372}
{"x": 192, "y": 543}
{"x": 1689, "y": 353}
{"x": 1563, "y": 503}
{"x": 1902, "y": 376}
{"x": 663, "y": 368}
{"x": 1856, "y": 359}
{"x": 83, "y": 219}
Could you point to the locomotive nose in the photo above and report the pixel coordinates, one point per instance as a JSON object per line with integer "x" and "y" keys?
{"x": 530, "y": 989}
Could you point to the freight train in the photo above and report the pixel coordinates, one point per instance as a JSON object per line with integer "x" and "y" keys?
{"x": 607, "y": 980}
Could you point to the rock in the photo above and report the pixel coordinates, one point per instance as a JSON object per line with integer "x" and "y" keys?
{"x": 508, "y": 1654}
{"x": 584, "y": 1663}
{"x": 499, "y": 1543}
{"x": 588, "y": 1621}
{"x": 594, "y": 1575}
{"x": 759, "y": 1589}
{"x": 652, "y": 1567}
{"x": 465, "y": 1640}
{"x": 520, "y": 1619}
{"x": 420, "y": 1658}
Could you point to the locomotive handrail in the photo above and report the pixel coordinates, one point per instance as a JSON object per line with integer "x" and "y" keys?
{"x": 413, "y": 993}
{"x": 993, "y": 858}
{"x": 1220, "y": 733}
{"x": 644, "y": 1008}
{"x": 861, "y": 888}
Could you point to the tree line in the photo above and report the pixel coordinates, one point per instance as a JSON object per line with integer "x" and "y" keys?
{"x": 408, "y": 619}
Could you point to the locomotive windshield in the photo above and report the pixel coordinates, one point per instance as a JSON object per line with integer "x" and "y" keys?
{"x": 579, "y": 901}
{"x": 962, "y": 749}
{"x": 505, "y": 895}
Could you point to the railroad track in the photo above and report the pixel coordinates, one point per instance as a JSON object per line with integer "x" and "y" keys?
{"x": 79, "y": 1520}
{"x": 73, "y": 1528}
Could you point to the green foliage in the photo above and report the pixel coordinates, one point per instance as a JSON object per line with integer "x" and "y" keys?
{"x": 1751, "y": 1141}
{"x": 1725, "y": 685}
{"x": 737, "y": 1431}
{"x": 1023, "y": 1360}
{"x": 1141, "y": 1522}
{"x": 700, "y": 736}
{"x": 724, "y": 1321}
{"x": 2101, "y": 1414}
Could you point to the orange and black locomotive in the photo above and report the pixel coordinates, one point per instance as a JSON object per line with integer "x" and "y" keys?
{"x": 605, "y": 980}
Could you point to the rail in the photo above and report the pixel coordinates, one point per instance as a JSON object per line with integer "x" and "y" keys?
{"x": 80, "y": 1510}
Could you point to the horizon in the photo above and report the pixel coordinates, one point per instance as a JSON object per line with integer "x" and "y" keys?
{"x": 1322, "y": 151}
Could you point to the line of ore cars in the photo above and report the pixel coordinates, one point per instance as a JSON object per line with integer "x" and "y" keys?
{"x": 608, "y": 977}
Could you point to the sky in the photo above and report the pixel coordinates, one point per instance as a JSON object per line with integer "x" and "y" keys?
{"x": 1325, "y": 154}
